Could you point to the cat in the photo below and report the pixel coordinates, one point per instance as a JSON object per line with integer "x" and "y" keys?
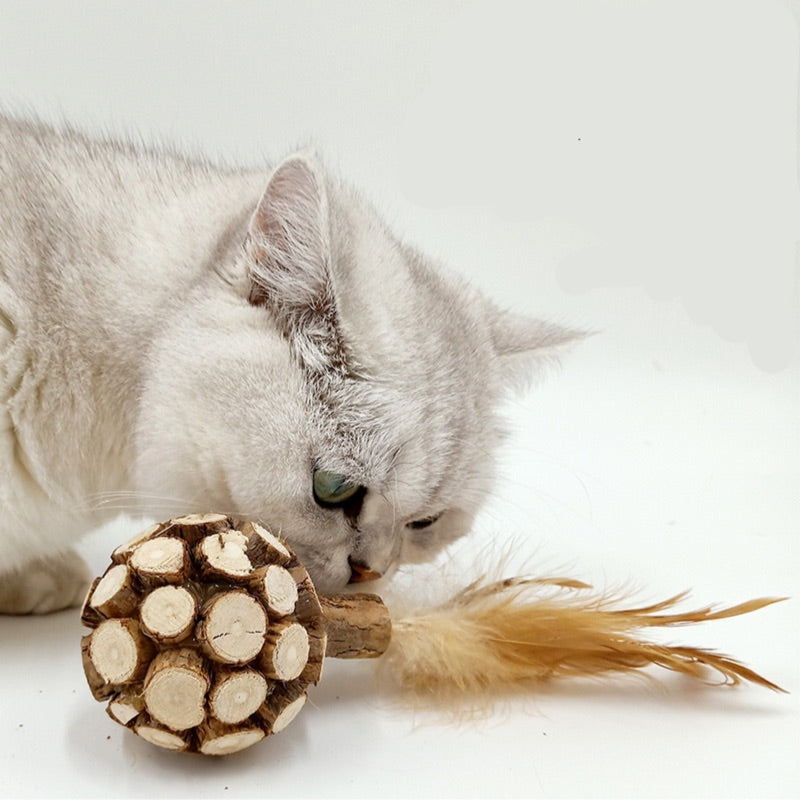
{"x": 249, "y": 341}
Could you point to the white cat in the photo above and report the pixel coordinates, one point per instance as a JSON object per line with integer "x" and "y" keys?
{"x": 257, "y": 344}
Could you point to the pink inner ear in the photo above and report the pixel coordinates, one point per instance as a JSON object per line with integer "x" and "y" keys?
{"x": 289, "y": 212}
{"x": 289, "y": 237}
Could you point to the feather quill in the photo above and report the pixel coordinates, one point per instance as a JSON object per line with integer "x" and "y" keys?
{"x": 505, "y": 633}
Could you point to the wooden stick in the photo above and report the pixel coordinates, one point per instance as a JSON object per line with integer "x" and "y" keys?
{"x": 236, "y": 694}
{"x": 317, "y": 643}
{"x": 223, "y": 556}
{"x": 164, "y": 559}
{"x": 124, "y": 551}
{"x": 125, "y": 706}
{"x": 194, "y": 527}
{"x": 90, "y": 617}
{"x": 168, "y": 614}
{"x": 263, "y": 547}
{"x": 218, "y": 739}
{"x": 307, "y": 606}
{"x": 232, "y": 627}
{"x": 175, "y": 689}
{"x": 115, "y": 595}
{"x": 100, "y": 688}
{"x": 285, "y": 652}
{"x": 156, "y": 734}
{"x": 358, "y": 625}
{"x": 281, "y": 707}
{"x": 119, "y": 652}
{"x": 276, "y": 588}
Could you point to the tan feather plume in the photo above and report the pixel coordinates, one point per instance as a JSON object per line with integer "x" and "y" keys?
{"x": 517, "y": 630}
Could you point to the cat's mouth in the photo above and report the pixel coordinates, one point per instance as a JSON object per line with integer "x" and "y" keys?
{"x": 361, "y": 573}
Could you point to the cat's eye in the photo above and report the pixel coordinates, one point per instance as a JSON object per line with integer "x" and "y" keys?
{"x": 333, "y": 489}
{"x": 426, "y": 522}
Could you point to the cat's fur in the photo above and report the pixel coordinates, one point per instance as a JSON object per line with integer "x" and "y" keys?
{"x": 205, "y": 338}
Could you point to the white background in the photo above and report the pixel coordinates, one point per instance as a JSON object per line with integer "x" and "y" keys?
{"x": 629, "y": 167}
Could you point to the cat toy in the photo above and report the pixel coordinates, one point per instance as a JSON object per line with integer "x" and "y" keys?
{"x": 207, "y": 632}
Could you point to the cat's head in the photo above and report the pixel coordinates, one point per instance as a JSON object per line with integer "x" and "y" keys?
{"x": 334, "y": 384}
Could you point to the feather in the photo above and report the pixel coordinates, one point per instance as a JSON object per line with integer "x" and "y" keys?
{"x": 506, "y": 633}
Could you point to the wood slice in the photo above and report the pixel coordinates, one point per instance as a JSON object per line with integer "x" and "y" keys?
{"x": 317, "y": 642}
{"x": 90, "y": 617}
{"x": 123, "y": 552}
{"x": 219, "y": 739}
{"x": 285, "y": 652}
{"x": 175, "y": 689}
{"x": 264, "y": 547}
{"x": 358, "y": 625}
{"x": 307, "y": 608}
{"x": 151, "y": 731}
{"x": 115, "y": 594}
{"x": 164, "y": 559}
{"x": 281, "y": 707}
{"x": 276, "y": 588}
{"x": 119, "y": 651}
{"x": 100, "y": 688}
{"x": 232, "y": 627}
{"x": 125, "y": 707}
{"x": 224, "y": 556}
{"x": 168, "y": 614}
{"x": 194, "y": 527}
{"x": 236, "y": 694}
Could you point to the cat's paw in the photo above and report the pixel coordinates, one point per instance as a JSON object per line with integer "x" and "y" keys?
{"x": 45, "y": 585}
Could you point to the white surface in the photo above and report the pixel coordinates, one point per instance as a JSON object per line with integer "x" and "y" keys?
{"x": 629, "y": 167}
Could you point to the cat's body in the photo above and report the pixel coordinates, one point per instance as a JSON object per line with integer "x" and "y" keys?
{"x": 214, "y": 339}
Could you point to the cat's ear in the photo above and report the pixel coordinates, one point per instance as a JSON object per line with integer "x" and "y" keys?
{"x": 525, "y": 346}
{"x": 288, "y": 245}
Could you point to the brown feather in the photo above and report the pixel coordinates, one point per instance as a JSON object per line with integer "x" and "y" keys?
{"x": 516, "y": 630}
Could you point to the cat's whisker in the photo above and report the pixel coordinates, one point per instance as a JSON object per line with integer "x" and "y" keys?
{"x": 134, "y": 494}
{"x": 392, "y": 502}
{"x": 127, "y": 500}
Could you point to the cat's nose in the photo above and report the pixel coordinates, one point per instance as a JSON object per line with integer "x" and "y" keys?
{"x": 361, "y": 573}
